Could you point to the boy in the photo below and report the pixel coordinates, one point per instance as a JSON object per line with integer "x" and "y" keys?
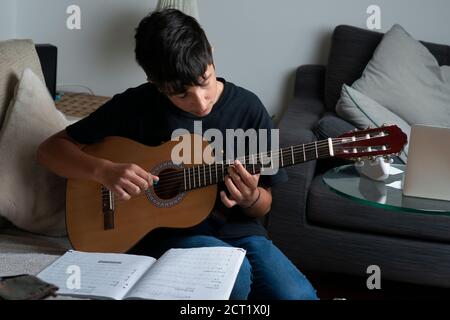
{"x": 182, "y": 87}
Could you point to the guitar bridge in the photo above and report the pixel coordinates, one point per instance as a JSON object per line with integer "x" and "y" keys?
{"x": 108, "y": 209}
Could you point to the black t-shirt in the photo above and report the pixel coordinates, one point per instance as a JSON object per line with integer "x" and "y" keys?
{"x": 145, "y": 115}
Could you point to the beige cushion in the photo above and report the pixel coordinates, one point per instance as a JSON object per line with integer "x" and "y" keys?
{"x": 15, "y": 56}
{"x": 31, "y": 197}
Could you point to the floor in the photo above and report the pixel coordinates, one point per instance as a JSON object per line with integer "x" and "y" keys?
{"x": 336, "y": 286}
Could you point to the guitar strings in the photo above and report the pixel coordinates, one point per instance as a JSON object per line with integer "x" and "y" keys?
{"x": 176, "y": 179}
{"x": 308, "y": 147}
{"x": 246, "y": 160}
{"x": 176, "y": 185}
{"x": 174, "y": 182}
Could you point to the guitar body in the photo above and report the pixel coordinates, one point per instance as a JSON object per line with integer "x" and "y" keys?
{"x": 132, "y": 219}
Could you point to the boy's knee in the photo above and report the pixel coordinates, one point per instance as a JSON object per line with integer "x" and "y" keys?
{"x": 243, "y": 282}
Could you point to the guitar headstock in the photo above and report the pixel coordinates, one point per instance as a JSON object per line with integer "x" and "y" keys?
{"x": 386, "y": 141}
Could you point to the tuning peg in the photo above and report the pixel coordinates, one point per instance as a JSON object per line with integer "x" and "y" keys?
{"x": 359, "y": 164}
{"x": 388, "y": 159}
{"x": 374, "y": 161}
{"x": 384, "y": 125}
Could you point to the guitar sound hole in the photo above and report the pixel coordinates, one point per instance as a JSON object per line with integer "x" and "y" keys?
{"x": 170, "y": 184}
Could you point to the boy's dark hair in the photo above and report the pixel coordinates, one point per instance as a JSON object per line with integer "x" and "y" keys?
{"x": 173, "y": 50}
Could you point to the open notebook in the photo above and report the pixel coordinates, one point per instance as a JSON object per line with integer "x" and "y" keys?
{"x": 197, "y": 273}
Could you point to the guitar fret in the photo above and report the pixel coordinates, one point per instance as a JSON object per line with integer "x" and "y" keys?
{"x": 111, "y": 200}
{"x": 189, "y": 175}
{"x": 193, "y": 175}
{"x": 217, "y": 178}
{"x": 317, "y": 154}
{"x": 261, "y": 162}
{"x": 223, "y": 175}
{"x": 210, "y": 176}
{"x": 271, "y": 160}
{"x": 204, "y": 174}
{"x": 292, "y": 154}
{"x": 199, "y": 177}
{"x": 304, "y": 153}
{"x": 253, "y": 163}
{"x": 282, "y": 164}
{"x": 184, "y": 174}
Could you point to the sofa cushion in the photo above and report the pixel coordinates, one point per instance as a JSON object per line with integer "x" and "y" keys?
{"x": 350, "y": 52}
{"x": 363, "y": 111}
{"x": 332, "y": 126}
{"x": 327, "y": 208}
{"x": 405, "y": 77}
{"x": 16, "y": 55}
{"x": 31, "y": 197}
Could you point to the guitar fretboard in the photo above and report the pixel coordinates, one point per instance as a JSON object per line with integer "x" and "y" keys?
{"x": 204, "y": 175}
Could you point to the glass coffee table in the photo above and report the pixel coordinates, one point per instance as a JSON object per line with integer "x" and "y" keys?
{"x": 347, "y": 182}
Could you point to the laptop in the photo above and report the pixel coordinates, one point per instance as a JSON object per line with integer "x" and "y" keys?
{"x": 428, "y": 169}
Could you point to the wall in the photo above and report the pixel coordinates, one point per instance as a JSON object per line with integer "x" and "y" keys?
{"x": 100, "y": 55}
{"x": 258, "y": 43}
{"x": 7, "y": 19}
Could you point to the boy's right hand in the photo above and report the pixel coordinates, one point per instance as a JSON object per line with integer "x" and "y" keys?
{"x": 125, "y": 179}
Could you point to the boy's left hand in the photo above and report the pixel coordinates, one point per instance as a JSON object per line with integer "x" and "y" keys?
{"x": 242, "y": 185}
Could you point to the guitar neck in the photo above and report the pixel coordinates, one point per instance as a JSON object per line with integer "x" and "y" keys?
{"x": 204, "y": 175}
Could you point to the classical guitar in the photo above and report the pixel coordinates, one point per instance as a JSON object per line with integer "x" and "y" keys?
{"x": 185, "y": 194}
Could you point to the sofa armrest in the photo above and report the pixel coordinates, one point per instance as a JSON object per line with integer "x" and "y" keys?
{"x": 310, "y": 81}
{"x": 48, "y": 56}
{"x": 297, "y": 127}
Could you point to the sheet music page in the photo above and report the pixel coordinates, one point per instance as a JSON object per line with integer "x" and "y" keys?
{"x": 102, "y": 275}
{"x": 197, "y": 273}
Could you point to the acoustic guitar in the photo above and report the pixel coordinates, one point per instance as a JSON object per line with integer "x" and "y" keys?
{"x": 186, "y": 194}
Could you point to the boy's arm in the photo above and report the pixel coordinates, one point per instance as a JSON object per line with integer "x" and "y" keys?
{"x": 65, "y": 157}
{"x": 262, "y": 204}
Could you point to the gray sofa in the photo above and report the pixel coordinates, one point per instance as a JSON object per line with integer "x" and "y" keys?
{"x": 322, "y": 231}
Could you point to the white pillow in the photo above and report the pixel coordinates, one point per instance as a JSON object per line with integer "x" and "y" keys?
{"x": 363, "y": 111}
{"x": 404, "y": 77}
{"x": 31, "y": 197}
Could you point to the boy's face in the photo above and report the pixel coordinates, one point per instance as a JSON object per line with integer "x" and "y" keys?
{"x": 199, "y": 100}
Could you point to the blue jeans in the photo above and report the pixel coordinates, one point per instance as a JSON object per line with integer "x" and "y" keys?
{"x": 266, "y": 272}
